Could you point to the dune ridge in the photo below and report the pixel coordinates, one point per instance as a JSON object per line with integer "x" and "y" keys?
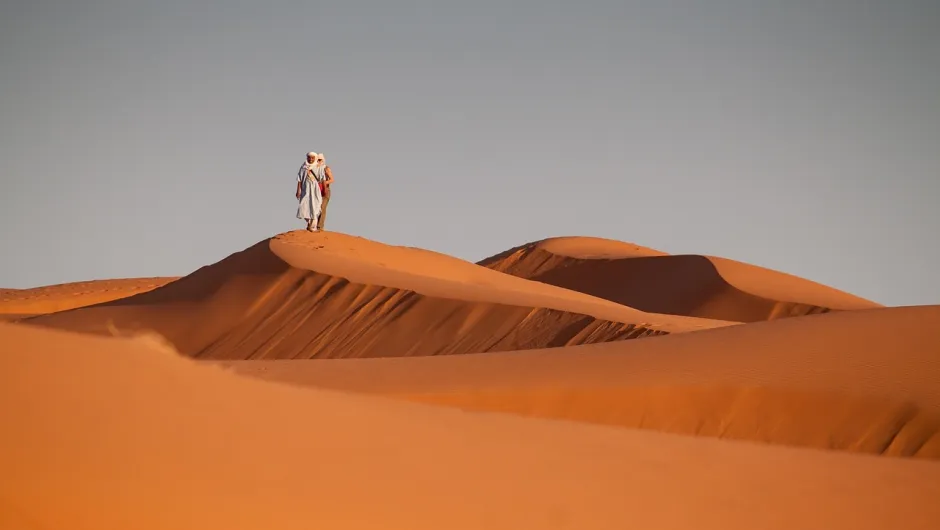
{"x": 823, "y": 420}
{"x": 124, "y": 433}
{"x": 302, "y": 295}
{"x": 52, "y": 298}
{"x": 828, "y": 381}
{"x": 548, "y": 254}
{"x": 656, "y": 282}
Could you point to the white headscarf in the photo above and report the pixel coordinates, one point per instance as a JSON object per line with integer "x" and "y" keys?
{"x": 315, "y": 167}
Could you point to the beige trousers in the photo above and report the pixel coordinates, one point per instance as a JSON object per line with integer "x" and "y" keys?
{"x": 326, "y": 201}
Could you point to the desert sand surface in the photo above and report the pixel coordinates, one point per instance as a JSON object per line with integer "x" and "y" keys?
{"x": 20, "y": 303}
{"x": 114, "y": 433}
{"x": 653, "y": 281}
{"x": 311, "y": 380}
{"x": 330, "y": 295}
{"x": 864, "y": 381}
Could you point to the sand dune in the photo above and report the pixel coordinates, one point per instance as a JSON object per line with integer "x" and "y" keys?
{"x": 742, "y": 419}
{"x": 122, "y": 433}
{"x": 542, "y": 256}
{"x": 652, "y": 281}
{"x": 303, "y": 295}
{"x": 19, "y": 303}
{"x": 865, "y": 381}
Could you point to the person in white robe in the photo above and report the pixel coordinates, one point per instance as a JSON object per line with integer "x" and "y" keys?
{"x": 308, "y": 190}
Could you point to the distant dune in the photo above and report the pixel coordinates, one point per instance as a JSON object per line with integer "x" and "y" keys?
{"x": 303, "y": 295}
{"x": 49, "y": 299}
{"x": 690, "y": 285}
{"x": 122, "y": 433}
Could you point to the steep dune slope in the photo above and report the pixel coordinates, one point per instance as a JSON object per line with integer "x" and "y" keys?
{"x": 652, "y": 281}
{"x": 303, "y": 295}
{"x": 865, "y": 381}
{"x": 118, "y": 433}
{"x": 61, "y": 297}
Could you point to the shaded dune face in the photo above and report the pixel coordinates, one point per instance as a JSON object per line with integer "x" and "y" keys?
{"x": 13, "y": 317}
{"x": 254, "y": 305}
{"x": 678, "y": 285}
{"x": 686, "y": 285}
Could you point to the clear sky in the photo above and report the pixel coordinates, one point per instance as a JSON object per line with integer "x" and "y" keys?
{"x": 151, "y": 138}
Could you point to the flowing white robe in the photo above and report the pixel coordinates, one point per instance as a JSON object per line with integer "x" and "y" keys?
{"x": 310, "y": 197}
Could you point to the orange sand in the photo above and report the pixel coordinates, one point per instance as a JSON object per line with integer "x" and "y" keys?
{"x": 52, "y": 298}
{"x": 551, "y": 419}
{"x": 827, "y": 381}
{"x": 122, "y": 433}
{"x": 303, "y": 295}
{"x": 650, "y": 280}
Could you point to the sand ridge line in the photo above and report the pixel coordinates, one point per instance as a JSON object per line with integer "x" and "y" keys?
{"x": 819, "y": 381}
{"x": 687, "y": 285}
{"x": 62, "y": 297}
{"x": 287, "y": 301}
{"x": 439, "y": 275}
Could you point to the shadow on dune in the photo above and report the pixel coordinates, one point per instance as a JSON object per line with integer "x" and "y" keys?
{"x": 254, "y": 305}
{"x": 686, "y": 285}
{"x": 683, "y": 285}
{"x": 254, "y": 262}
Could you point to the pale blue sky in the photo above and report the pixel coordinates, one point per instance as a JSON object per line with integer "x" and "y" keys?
{"x": 151, "y": 138}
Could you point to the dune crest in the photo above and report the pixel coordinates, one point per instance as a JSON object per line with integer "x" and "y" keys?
{"x": 822, "y": 420}
{"x": 655, "y": 282}
{"x": 828, "y": 381}
{"x": 65, "y": 296}
{"x": 329, "y": 295}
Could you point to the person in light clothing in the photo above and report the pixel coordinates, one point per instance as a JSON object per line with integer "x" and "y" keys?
{"x": 309, "y": 176}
